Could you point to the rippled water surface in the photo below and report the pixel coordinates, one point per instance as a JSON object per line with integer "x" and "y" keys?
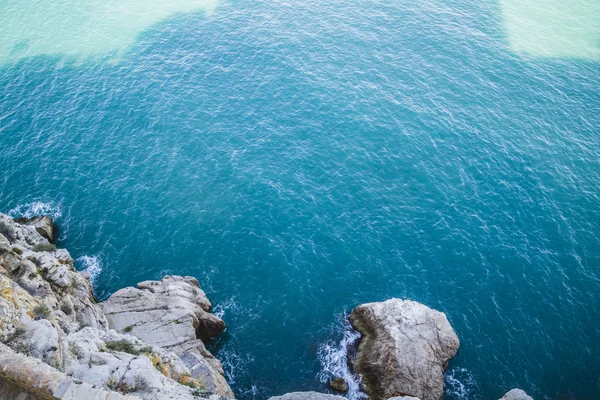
{"x": 300, "y": 158}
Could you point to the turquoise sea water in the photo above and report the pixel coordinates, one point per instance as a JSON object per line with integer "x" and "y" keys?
{"x": 301, "y": 158}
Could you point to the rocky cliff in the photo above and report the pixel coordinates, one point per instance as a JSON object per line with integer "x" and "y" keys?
{"x": 62, "y": 344}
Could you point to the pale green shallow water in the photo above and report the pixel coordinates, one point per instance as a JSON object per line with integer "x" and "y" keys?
{"x": 553, "y": 28}
{"x": 300, "y": 158}
{"x": 82, "y": 29}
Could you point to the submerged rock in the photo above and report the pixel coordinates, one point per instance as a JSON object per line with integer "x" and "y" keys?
{"x": 516, "y": 394}
{"x": 307, "y": 396}
{"x": 339, "y": 385}
{"x": 404, "y": 349}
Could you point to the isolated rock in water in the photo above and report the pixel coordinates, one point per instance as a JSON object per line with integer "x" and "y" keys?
{"x": 516, "y": 394}
{"x": 339, "y": 385}
{"x": 43, "y": 225}
{"x": 173, "y": 313}
{"x": 404, "y": 349}
{"x": 307, "y": 396}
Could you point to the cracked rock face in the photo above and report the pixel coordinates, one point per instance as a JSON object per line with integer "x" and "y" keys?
{"x": 173, "y": 313}
{"x": 58, "y": 336}
{"x": 43, "y": 225}
{"x": 404, "y": 349}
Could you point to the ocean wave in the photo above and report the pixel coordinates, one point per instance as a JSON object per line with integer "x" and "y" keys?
{"x": 254, "y": 392}
{"x": 460, "y": 384}
{"x": 220, "y": 309}
{"x": 91, "y": 265}
{"x": 35, "y": 209}
{"x": 234, "y": 365}
{"x": 334, "y": 361}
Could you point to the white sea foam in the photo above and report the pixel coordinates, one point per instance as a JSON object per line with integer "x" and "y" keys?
{"x": 234, "y": 364}
{"x": 91, "y": 265}
{"x": 35, "y": 209}
{"x": 236, "y": 367}
{"x": 253, "y": 392}
{"x": 334, "y": 361}
{"x": 459, "y": 384}
{"x": 220, "y": 309}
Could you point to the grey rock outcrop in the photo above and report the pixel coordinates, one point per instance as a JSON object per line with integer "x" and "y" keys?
{"x": 404, "y": 349}
{"x": 43, "y": 225}
{"x": 516, "y": 394}
{"x": 26, "y": 378}
{"x": 173, "y": 313}
{"x": 307, "y": 396}
{"x": 59, "y": 343}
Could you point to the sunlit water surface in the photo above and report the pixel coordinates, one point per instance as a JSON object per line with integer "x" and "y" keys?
{"x": 300, "y": 158}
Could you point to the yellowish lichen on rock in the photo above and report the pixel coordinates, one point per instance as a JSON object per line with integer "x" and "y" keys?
{"x": 9, "y": 313}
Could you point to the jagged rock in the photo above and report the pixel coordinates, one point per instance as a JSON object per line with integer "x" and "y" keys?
{"x": 404, "y": 349}
{"x": 516, "y": 394}
{"x": 173, "y": 313}
{"x": 4, "y": 244}
{"x": 339, "y": 385}
{"x": 20, "y": 236}
{"x": 126, "y": 364}
{"x": 42, "y": 339}
{"x": 307, "y": 396}
{"x": 59, "y": 341}
{"x": 26, "y": 378}
{"x": 43, "y": 225}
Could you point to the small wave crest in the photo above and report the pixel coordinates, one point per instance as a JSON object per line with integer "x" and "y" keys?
{"x": 234, "y": 364}
{"x": 91, "y": 265}
{"x": 334, "y": 361}
{"x": 236, "y": 367}
{"x": 35, "y": 209}
{"x": 254, "y": 392}
{"x": 220, "y": 309}
{"x": 460, "y": 384}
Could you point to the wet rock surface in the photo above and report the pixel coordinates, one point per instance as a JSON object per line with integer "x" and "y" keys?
{"x": 339, "y": 385}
